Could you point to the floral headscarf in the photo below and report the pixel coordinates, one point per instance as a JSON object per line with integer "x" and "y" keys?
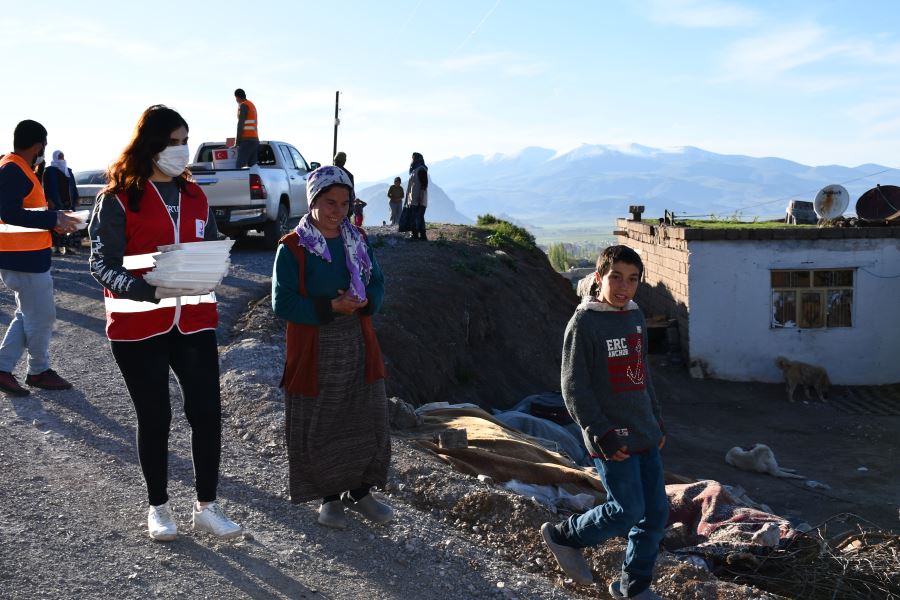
{"x": 309, "y": 236}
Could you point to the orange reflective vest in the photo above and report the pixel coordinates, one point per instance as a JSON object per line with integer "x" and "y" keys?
{"x": 145, "y": 230}
{"x": 25, "y": 239}
{"x": 249, "y": 130}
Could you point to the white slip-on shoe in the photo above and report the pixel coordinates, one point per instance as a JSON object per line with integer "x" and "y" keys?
{"x": 331, "y": 514}
{"x": 212, "y": 520}
{"x": 369, "y": 507}
{"x": 161, "y": 524}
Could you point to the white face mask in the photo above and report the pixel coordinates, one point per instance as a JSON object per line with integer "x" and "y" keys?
{"x": 173, "y": 160}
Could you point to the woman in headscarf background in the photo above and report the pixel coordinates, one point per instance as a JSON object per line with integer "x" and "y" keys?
{"x": 327, "y": 285}
{"x": 62, "y": 194}
{"x": 417, "y": 194}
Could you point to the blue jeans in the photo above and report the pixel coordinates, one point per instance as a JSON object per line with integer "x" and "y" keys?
{"x": 32, "y": 323}
{"x": 636, "y": 506}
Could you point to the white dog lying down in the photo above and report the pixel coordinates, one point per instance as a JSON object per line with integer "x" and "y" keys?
{"x": 760, "y": 459}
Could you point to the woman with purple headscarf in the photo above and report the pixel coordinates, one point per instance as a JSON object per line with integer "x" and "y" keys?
{"x": 327, "y": 285}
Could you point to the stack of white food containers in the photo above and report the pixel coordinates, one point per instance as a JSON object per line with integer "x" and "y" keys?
{"x": 191, "y": 265}
{"x": 82, "y": 216}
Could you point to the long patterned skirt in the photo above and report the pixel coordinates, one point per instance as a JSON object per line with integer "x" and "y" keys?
{"x": 339, "y": 440}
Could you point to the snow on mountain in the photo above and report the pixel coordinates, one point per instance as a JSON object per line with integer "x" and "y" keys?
{"x": 596, "y": 183}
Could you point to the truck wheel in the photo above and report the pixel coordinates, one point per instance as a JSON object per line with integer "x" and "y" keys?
{"x": 274, "y": 230}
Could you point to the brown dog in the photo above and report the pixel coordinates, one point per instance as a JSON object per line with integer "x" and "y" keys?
{"x": 805, "y": 375}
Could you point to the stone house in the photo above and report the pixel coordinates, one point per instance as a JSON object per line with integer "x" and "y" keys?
{"x": 743, "y": 296}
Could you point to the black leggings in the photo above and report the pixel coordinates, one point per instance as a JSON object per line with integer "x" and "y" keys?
{"x": 194, "y": 359}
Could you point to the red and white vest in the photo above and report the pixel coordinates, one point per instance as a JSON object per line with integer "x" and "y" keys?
{"x": 145, "y": 230}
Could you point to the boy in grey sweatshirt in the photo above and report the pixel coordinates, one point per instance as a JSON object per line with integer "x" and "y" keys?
{"x": 607, "y": 389}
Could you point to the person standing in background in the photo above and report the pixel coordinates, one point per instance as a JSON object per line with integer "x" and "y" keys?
{"x": 25, "y": 262}
{"x": 417, "y": 195}
{"x": 340, "y": 160}
{"x": 358, "y": 214}
{"x": 62, "y": 194}
{"x": 395, "y": 200}
{"x": 247, "y": 138}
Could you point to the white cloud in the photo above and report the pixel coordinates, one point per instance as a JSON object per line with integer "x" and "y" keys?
{"x": 701, "y": 13}
{"x": 765, "y": 57}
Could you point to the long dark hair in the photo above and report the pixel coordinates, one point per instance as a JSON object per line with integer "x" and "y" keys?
{"x": 130, "y": 172}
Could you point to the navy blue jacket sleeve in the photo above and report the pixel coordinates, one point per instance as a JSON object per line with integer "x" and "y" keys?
{"x": 14, "y": 186}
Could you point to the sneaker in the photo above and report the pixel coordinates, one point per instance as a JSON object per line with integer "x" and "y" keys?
{"x": 48, "y": 380}
{"x": 10, "y": 385}
{"x": 369, "y": 507}
{"x": 161, "y": 524}
{"x": 616, "y": 592}
{"x": 570, "y": 560}
{"x": 212, "y": 520}
{"x": 331, "y": 514}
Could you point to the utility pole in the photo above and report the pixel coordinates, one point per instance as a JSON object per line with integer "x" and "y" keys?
{"x": 337, "y": 121}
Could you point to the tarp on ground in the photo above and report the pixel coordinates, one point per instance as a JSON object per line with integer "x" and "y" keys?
{"x": 503, "y": 454}
{"x": 544, "y": 429}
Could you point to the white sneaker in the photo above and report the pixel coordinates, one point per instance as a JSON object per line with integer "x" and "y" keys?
{"x": 161, "y": 523}
{"x": 212, "y": 520}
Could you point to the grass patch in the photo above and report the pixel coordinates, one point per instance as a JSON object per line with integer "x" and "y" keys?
{"x": 731, "y": 224}
{"x": 505, "y": 234}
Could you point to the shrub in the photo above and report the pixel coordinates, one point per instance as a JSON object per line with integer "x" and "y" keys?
{"x": 559, "y": 257}
{"x": 505, "y": 234}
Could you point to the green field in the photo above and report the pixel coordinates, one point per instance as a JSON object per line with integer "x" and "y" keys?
{"x": 595, "y": 233}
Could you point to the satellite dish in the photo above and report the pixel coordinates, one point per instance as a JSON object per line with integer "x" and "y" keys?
{"x": 831, "y": 202}
{"x": 881, "y": 203}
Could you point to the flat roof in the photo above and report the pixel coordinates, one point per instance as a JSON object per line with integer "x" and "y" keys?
{"x": 758, "y": 231}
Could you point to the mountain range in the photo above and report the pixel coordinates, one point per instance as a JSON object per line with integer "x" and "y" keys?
{"x": 541, "y": 187}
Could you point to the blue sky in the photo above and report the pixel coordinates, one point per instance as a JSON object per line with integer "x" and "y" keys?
{"x": 816, "y": 82}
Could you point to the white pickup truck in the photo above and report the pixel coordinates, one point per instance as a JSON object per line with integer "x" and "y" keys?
{"x": 265, "y": 197}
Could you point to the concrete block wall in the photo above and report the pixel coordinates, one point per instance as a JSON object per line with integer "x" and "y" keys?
{"x": 664, "y": 251}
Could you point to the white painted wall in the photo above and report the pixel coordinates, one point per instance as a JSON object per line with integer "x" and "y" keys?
{"x": 730, "y": 309}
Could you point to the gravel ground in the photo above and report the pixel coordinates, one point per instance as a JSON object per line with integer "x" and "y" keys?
{"x": 73, "y": 505}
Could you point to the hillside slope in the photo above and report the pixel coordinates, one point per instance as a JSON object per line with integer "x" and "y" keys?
{"x": 497, "y": 316}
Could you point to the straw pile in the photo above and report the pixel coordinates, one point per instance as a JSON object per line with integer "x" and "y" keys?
{"x": 859, "y": 565}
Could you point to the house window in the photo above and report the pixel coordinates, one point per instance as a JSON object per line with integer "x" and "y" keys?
{"x": 812, "y": 298}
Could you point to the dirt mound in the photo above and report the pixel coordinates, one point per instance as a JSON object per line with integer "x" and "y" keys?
{"x": 464, "y": 320}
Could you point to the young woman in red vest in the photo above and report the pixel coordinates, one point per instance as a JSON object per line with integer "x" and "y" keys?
{"x": 151, "y": 200}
